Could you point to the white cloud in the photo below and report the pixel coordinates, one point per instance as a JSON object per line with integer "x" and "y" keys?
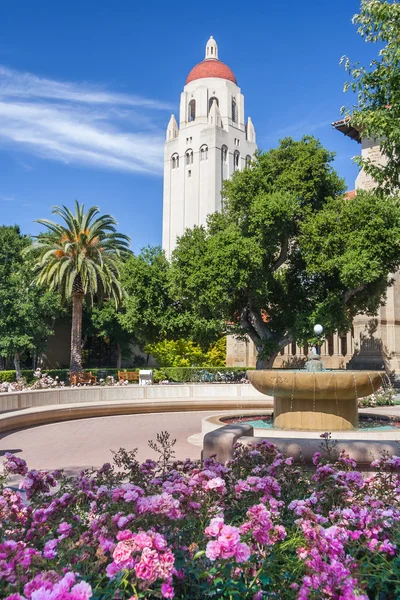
{"x": 80, "y": 124}
{"x": 4, "y": 198}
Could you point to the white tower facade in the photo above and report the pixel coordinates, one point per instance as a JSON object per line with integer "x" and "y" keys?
{"x": 211, "y": 142}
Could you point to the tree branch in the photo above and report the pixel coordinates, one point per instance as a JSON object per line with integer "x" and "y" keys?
{"x": 282, "y": 256}
{"x": 259, "y": 325}
{"x": 350, "y": 293}
{"x": 248, "y": 327}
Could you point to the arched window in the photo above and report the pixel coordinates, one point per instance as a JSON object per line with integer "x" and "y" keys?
{"x": 234, "y": 110}
{"x": 224, "y": 153}
{"x": 236, "y": 156}
{"x": 204, "y": 152}
{"x": 192, "y": 110}
{"x": 210, "y": 102}
{"x": 248, "y": 161}
{"x": 189, "y": 157}
{"x": 175, "y": 161}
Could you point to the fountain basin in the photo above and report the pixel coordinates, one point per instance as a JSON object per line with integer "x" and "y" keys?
{"x": 309, "y": 401}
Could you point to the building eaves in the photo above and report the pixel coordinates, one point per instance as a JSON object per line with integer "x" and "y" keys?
{"x": 345, "y": 127}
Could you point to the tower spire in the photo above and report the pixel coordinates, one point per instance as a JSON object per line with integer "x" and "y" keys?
{"x": 172, "y": 129}
{"x": 211, "y": 49}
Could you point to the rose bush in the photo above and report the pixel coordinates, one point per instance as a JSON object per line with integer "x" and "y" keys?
{"x": 257, "y": 528}
{"x": 385, "y": 396}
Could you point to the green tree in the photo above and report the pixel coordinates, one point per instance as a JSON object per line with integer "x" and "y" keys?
{"x": 105, "y": 323}
{"x": 151, "y": 312}
{"x": 376, "y": 87}
{"x": 288, "y": 251}
{"x": 80, "y": 258}
{"x": 27, "y": 311}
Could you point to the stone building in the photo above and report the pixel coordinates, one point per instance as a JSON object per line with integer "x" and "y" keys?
{"x": 211, "y": 141}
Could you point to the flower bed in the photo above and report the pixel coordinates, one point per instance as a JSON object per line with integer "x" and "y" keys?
{"x": 383, "y": 397}
{"x": 33, "y": 380}
{"x": 256, "y": 528}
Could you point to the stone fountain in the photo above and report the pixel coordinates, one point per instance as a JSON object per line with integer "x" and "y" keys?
{"x": 306, "y": 403}
{"x": 315, "y": 399}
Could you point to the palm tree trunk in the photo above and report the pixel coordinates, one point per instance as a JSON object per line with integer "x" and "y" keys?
{"x": 76, "y": 333}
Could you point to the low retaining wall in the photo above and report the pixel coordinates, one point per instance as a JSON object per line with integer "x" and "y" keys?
{"x": 220, "y": 442}
{"x": 27, "y": 409}
{"x": 28, "y": 399}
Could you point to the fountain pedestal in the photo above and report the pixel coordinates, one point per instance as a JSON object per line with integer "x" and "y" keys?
{"x": 308, "y": 414}
{"x": 316, "y": 401}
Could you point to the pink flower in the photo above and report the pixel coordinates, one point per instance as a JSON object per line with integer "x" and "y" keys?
{"x": 49, "y": 550}
{"x": 167, "y": 591}
{"x": 228, "y": 540}
{"x": 242, "y": 552}
{"x": 159, "y": 542}
{"x": 122, "y": 552}
{"x": 214, "y": 527}
{"x": 216, "y": 484}
{"x": 213, "y": 550}
{"x": 142, "y": 540}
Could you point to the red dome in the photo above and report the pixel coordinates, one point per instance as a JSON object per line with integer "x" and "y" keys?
{"x": 211, "y": 68}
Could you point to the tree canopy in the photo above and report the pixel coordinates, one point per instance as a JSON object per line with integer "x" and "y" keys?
{"x": 287, "y": 251}
{"x": 78, "y": 258}
{"x": 153, "y": 311}
{"x": 27, "y": 311}
{"x": 376, "y": 87}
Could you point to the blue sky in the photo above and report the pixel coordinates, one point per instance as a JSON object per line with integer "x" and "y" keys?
{"x": 87, "y": 89}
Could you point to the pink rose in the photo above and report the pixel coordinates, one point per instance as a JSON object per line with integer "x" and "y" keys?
{"x": 142, "y": 540}
{"x": 213, "y": 550}
{"x": 167, "y": 591}
{"x": 122, "y": 552}
{"x": 216, "y": 484}
{"x": 214, "y": 527}
{"x": 242, "y": 552}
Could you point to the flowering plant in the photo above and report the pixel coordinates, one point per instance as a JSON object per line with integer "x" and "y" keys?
{"x": 257, "y": 528}
{"x": 383, "y": 397}
{"x": 41, "y": 381}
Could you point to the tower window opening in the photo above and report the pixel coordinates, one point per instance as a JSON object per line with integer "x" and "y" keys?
{"x": 175, "y": 161}
{"x": 248, "y": 161}
{"x": 189, "y": 157}
{"x": 234, "y": 110}
{"x": 204, "y": 153}
{"x": 224, "y": 153}
{"x": 236, "y": 156}
{"x": 210, "y": 102}
{"x": 192, "y": 110}
{"x": 212, "y": 50}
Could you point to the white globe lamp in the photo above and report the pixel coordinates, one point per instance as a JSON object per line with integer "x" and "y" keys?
{"x": 318, "y": 329}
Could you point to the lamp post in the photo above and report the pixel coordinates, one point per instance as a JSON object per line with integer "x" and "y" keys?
{"x": 318, "y": 329}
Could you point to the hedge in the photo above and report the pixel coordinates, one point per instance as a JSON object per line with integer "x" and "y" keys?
{"x": 62, "y": 374}
{"x": 200, "y": 374}
{"x": 173, "y": 374}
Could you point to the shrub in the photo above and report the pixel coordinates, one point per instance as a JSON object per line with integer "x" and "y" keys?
{"x": 201, "y": 374}
{"x": 185, "y": 353}
{"x": 383, "y": 397}
{"x": 257, "y": 528}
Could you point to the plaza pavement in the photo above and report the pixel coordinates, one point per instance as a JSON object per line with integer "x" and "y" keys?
{"x": 79, "y": 444}
{"x": 76, "y": 445}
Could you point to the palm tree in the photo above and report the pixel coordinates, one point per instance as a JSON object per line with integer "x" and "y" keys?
{"x": 80, "y": 258}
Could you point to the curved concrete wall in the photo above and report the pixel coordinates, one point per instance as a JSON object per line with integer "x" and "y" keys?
{"x": 26, "y": 409}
